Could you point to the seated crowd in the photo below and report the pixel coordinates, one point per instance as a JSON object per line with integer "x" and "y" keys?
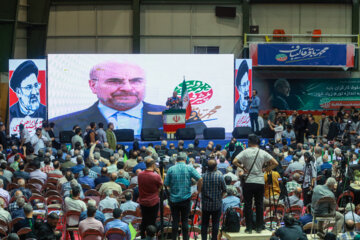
{"x": 94, "y": 188}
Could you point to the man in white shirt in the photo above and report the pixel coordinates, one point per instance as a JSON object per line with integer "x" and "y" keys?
{"x": 38, "y": 140}
{"x": 4, "y": 194}
{"x": 229, "y": 172}
{"x": 108, "y": 202}
{"x": 129, "y": 205}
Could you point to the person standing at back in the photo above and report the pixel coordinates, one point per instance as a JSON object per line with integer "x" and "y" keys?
{"x": 91, "y": 137}
{"x": 150, "y": 183}
{"x": 101, "y": 133}
{"x": 111, "y": 137}
{"x": 212, "y": 191}
{"x": 178, "y": 179}
{"x": 252, "y": 160}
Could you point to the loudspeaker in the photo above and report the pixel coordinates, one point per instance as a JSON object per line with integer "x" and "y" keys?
{"x": 150, "y": 134}
{"x": 65, "y": 136}
{"x": 185, "y": 134}
{"x": 124, "y": 135}
{"x": 229, "y": 12}
{"x": 254, "y": 29}
{"x": 214, "y": 133}
{"x": 241, "y": 132}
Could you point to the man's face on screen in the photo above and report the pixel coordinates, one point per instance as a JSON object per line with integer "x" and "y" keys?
{"x": 119, "y": 86}
{"x": 29, "y": 93}
{"x": 244, "y": 91}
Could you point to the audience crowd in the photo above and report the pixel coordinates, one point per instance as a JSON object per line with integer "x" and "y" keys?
{"x": 94, "y": 187}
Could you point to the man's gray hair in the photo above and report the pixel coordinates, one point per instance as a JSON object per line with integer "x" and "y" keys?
{"x": 147, "y": 157}
{"x": 318, "y": 150}
{"x": 121, "y": 173}
{"x": 229, "y": 169}
{"x": 116, "y": 156}
{"x": 164, "y": 143}
{"x": 155, "y": 156}
{"x": 330, "y": 182}
{"x": 20, "y": 202}
{"x": 97, "y": 155}
{"x": 337, "y": 151}
{"x": 91, "y": 203}
{"x": 28, "y": 208}
{"x": 108, "y": 192}
{"x": 191, "y": 146}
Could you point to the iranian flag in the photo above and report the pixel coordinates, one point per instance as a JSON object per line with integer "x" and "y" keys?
{"x": 185, "y": 100}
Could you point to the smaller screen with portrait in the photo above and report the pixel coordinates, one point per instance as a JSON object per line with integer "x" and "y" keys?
{"x": 27, "y": 94}
{"x": 131, "y": 90}
{"x": 243, "y": 87}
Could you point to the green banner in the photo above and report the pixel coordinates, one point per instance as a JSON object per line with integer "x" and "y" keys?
{"x": 308, "y": 94}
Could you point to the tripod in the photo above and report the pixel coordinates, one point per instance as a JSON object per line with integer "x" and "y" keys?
{"x": 275, "y": 201}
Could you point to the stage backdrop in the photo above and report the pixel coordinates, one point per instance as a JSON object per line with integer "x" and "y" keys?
{"x": 27, "y": 94}
{"x": 209, "y": 80}
{"x": 308, "y": 94}
{"x": 243, "y": 91}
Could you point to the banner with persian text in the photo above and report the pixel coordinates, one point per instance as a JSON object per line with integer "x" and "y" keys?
{"x": 307, "y": 55}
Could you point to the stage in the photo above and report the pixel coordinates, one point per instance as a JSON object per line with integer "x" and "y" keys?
{"x": 202, "y": 142}
{"x": 264, "y": 235}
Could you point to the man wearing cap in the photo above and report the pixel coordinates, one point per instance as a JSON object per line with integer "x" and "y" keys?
{"x": 120, "y": 89}
{"x": 27, "y": 88}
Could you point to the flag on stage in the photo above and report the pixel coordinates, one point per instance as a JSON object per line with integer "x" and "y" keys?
{"x": 132, "y": 231}
{"x": 185, "y": 100}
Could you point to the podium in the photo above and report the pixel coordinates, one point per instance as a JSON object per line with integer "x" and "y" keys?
{"x": 173, "y": 119}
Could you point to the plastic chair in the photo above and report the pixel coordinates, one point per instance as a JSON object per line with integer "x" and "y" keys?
{"x": 316, "y": 33}
{"x": 115, "y": 233}
{"x": 72, "y": 222}
{"x": 85, "y": 187}
{"x": 12, "y": 186}
{"x": 279, "y": 34}
{"x": 14, "y": 221}
{"x": 295, "y": 210}
{"x": 348, "y": 198}
{"x": 4, "y": 226}
{"x": 91, "y": 233}
{"x": 53, "y": 175}
{"x": 23, "y": 231}
{"x": 52, "y": 180}
{"x": 329, "y": 216}
{"x": 92, "y": 192}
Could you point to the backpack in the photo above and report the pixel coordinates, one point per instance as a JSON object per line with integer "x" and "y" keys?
{"x": 231, "y": 221}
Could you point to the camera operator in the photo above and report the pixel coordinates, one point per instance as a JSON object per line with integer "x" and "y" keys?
{"x": 309, "y": 177}
{"x": 349, "y": 133}
{"x": 254, "y": 104}
{"x": 291, "y": 230}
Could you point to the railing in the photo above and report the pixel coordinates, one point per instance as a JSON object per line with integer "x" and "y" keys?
{"x": 302, "y": 38}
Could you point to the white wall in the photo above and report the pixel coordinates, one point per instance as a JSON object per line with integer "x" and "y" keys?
{"x": 178, "y": 28}
{"x": 21, "y": 33}
{"x": 90, "y": 29}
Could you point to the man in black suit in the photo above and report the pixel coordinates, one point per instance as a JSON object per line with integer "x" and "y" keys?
{"x": 27, "y": 88}
{"x": 120, "y": 89}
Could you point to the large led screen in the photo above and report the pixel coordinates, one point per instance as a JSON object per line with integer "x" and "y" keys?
{"x": 131, "y": 90}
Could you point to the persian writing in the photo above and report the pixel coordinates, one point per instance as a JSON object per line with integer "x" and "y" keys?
{"x": 298, "y": 52}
